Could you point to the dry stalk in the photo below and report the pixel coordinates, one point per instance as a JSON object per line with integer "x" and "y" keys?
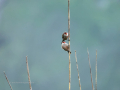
{"x": 69, "y": 43}
{"x": 96, "y": 73}
{"x": 90, "y": 69}
{"x": 8, "y": 80}
{"x": 77, "y": 70}
{"x": 28, "y": 73}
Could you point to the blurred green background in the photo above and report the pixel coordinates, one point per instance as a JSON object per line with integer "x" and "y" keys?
{"x": 34, "y": 28}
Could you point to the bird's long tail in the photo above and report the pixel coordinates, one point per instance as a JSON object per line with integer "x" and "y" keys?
{"x": 62, "y": 41}
{"x": 69, "y": 51}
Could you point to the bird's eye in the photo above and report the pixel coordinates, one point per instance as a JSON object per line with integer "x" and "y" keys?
{"x": 65, "y": 33}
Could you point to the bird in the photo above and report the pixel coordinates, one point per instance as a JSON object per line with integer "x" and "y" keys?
{"x": 64, "y": 36}
{"x": 65, "y": 46}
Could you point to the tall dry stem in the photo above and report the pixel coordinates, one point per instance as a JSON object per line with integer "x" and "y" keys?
{"x": 69, "y": 43}
{"x": 96, "y": 73}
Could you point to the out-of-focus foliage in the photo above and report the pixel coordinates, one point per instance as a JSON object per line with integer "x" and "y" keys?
{"x": 34, "y": 28}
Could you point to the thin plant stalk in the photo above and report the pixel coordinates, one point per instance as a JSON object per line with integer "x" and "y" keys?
{"x": 77, "y": 70}
{"x": 28, "y": 73}
{"x": 96, "y": 73}
{"x": 90, "y": 69}
{"x": 69, "y": 43}
{"x": 8, "y": 81}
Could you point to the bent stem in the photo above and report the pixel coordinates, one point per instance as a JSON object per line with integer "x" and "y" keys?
{"x": 77, "y": 70}
{"x": 8, "y": 80}
{"x": 28, "y": 73}
{"x": 90, "y": 69}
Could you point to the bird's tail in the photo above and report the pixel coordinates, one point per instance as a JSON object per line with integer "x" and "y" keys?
{"x": 69, "y": 51}
{"x": 62, "y": 41}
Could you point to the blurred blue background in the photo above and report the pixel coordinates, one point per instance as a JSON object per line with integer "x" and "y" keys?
{"x": 34, "y": 28}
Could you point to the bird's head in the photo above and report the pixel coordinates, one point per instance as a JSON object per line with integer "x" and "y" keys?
{"x": 63, "y": 42}
{"x": 66, "y": 33}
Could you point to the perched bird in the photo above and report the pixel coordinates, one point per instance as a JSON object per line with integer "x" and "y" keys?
{"x": 65, "y": 46}
{"x": 64, "y": 36}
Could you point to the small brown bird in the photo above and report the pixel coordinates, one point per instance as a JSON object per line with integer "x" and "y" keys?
{"x": 65, "y": 46}
{"x": 64, "y": 36}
